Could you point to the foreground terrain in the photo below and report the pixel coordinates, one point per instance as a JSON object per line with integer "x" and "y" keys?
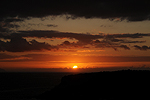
{"x": 116, "y": 85}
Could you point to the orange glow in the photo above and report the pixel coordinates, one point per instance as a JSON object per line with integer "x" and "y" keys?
{"x": 75, "y": 67}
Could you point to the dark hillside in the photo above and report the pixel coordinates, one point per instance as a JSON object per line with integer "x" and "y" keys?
{"x": 2, "y": 70}
{"x": 120, "y": 85}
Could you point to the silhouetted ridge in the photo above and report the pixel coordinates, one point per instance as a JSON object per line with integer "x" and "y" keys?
{"x": 2, "y": 70}
{"x": 120, "y": 85}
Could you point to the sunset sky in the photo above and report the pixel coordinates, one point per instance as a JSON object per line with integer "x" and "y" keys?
{"x": 64, "y": 33}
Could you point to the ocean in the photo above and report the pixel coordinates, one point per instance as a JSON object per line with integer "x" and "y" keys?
{"x": 27, "y": 85}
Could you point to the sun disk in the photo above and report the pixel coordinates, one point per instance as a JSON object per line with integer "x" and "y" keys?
{"x": 74, "y": 67}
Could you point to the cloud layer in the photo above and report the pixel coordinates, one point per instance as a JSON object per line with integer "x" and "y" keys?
{"x": 142, "y": 47}
{"x": 127, "y": 9}
{"x": 69, "y": 58}
{"x": 18, "y": 42}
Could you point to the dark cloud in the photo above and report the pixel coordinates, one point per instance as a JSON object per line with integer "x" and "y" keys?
{"x": 72, "y": 46}
{"x": 141, "y": 47}
{"x": 41, "y": 24}
{"x": 5, "y": 36}
{"x": 86, "y": 38}
{"x": 13, "y": 58}
{"x": 5, "y": 56}
{"x": 12, "y": 26}
{"x": 135, "y": 35}
{"x": 116, "y": 40}
{"x": 126, "y": 41}
{"x": 3, "y": 29}
{"x": 48, "y": 57}
{"x": 68, "y": 58}
{"x": 52, "y": 25}
{"x": 40, "y": 46}
{"x": 106, "y": 26}
{"x": 12, "y": 19}
{"x": 66, "y": 42}
{"x": 123, "y": 9}
{"x": 106, "y": 44}
{"x": 125, "y": 47}
{"x": 97, "y": 41}
{"x": 18, "y": 44}
{"x": 6, "y": 25}
{"x": 22, "y": 45}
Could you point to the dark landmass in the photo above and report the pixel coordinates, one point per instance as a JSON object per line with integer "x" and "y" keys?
{"x": 25, "y": 85}
{"x": 115, "y": 85}
{"x": 2, "y": 70}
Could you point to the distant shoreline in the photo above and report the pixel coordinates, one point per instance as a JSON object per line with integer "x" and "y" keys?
{"x": 70, "y": 70}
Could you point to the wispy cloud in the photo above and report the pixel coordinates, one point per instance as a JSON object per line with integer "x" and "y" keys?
{"x": 70, "y": 58}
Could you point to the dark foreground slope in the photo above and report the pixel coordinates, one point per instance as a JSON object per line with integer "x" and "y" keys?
{"x": 2, "y": 70}
{"x": 117, "y": 85}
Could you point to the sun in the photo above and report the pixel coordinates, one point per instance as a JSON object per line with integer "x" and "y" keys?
{"x": 75, "y": 67}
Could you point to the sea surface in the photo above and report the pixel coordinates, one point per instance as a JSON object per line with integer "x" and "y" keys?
{"x": 25, "y": 86}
